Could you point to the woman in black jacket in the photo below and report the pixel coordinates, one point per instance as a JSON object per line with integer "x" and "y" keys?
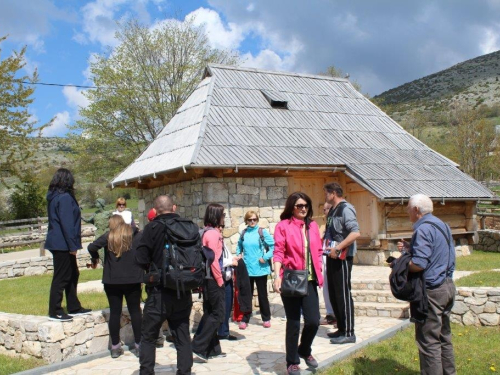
{"x": 122, "y": 277}
{"x": 63, "y": 241}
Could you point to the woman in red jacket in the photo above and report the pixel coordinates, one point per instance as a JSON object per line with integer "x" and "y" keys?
{"x": 294, "y": 234}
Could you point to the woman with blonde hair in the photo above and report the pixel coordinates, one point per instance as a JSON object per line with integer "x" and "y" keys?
{"x": 122, "y": 277}
{"x": 257, "y": 245}
{"x": 121, "y": 209}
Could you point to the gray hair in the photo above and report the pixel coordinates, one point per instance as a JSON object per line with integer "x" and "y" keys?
{"x": 422, "y": 202}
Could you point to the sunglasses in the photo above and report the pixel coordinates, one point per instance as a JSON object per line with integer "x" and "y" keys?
{"x": 252, "y": 220}
{"x": 121, "y": 205}
{"x": 301, "y": 206}
{"x": 221, "y": 226}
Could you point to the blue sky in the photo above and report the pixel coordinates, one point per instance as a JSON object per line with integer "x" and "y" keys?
{"x": 381, "y": 44}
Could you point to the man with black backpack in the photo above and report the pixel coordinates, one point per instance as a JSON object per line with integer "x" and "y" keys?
{"x": 341, "y": 232}
{"x": 170, "y": 250}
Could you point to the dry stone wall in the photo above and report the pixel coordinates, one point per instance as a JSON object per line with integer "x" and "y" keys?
{"x": 36, "y": 265}
{"x": 238, "y": 195}
{"x": 489, "y": 240}
{"x": 476, "y": 306}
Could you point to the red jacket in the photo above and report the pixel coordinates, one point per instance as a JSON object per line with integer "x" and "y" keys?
{"x": 289, "y": 246}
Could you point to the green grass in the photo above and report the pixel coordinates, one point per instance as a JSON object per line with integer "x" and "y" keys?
{"x": 478, "y": 261}
{"x": 476, "y": 352}
{"x": 30, "y": 295}
{"x": 485, "y": 278}
{"x": 11, "y": 365}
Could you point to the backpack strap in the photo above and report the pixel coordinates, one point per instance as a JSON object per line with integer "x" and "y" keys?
{"x": 242, "y": 236}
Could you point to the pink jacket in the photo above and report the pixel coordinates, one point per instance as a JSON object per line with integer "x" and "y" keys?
{"x": 289, "y": 246}
{"x": 213, "y": 239}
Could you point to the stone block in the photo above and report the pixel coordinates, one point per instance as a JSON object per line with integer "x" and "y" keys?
{"x": 456, "y": 318}
{"x": 493, "y": 292}
{"x": 476, "y": 301}
{"x": 51, "y": 332}
{"x": 32, "y": 348}
{"x": 37, "y": 270}
{"x": 68, "y": 342}
{"x": 101, "y": 329}
{"x": 266, "y": 212}
{"x": 245, "y": 189}
{"x": 272, "y": 227}
{"x": 77, "y": 325}
{"x": 98, "y": 344}
{"x": 275, "y": 193}
{"x": 126, "y": 334}
{"x": 281, "y": 181}
{"x": 490, "y": 307}
{"x": 84, "y": 336}
{"x": 477, "y": 309}
{"x": 459, "y": 308}
{"x": 266, "y": 181}
{"x": 465, "y": 292}
{"x": 19, "y": 338}
{"x": 489, "y": 319}
{"x": 470, "y": 319}
{"x": 51, "y": 352}
{"x": 216, "y": 192}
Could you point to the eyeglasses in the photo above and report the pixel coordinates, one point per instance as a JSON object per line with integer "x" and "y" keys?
{"x": 301, "y": 206}
{"x": 252, "y": 220}
{"x": 221, "y": 226}
{"x": 121, "y": 205}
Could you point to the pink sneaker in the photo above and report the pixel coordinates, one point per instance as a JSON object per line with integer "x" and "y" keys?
{"x": 266, "y": 324}
{"x": 243, "y": 325}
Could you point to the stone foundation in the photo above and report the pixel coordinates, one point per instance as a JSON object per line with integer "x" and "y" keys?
{"x": 489, "y": 240}
{"x": 267, "y": 196}
{"x": 477, "y": 306}
{"x": 36, "y": 265}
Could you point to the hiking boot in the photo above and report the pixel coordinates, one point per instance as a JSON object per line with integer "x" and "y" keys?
{"x": 343, "y": 340}
{"x": 337, "y": 333}
{"x": 115, "y": 353}
{"x": 61, "y": 318}
{"x": 243, "y": 325}
{"x": 310, "y": 360}
{"x": 80, "y": 311}
{"x": 293, "y": 370}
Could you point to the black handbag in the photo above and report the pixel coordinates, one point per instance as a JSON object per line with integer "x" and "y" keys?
{"x": 294, "y": 282}
{"x": 152, "y": 278}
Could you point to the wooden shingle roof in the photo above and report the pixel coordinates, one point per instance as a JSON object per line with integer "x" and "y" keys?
{"x": 229, "y": 120}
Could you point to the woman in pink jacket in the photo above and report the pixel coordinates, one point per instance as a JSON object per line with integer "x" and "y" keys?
{"x": 290, "y": 251}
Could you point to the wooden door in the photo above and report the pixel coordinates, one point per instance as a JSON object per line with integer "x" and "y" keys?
{"x": 313, "y": 187}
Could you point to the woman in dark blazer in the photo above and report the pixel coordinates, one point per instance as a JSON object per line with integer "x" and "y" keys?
{"x": 122, "y": 277}
{"x": 63, "y": 241}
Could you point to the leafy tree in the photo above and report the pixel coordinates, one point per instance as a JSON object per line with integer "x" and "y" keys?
{"x": 140, "y": 86}
{"x": 28, "y": 198}
{"x": 16, "y": 125}
{"x": 473, "y": 140}
{"x": 332, "y": 71}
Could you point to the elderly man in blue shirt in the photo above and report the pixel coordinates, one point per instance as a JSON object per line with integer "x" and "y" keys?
{"x": 433, "y": 252}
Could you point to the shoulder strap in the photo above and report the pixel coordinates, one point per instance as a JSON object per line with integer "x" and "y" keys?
{"x": 448, "y": 241}
{"x": 243, "y": 234}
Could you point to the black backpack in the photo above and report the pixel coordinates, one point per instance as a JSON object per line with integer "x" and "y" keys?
{"x": 184, "y": 265}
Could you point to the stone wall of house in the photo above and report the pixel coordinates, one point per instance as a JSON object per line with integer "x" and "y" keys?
{"x": 15, "y": 239}
{"x": 477, "y": 306}
{"x": 36, "y": 265}
{"x": 237, "y": 195}
{"x": 489, "y": 240}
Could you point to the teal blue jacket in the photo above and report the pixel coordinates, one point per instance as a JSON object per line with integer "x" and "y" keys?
{"x": 253, "y": 249}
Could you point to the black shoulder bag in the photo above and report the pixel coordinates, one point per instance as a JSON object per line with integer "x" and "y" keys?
{"x": 294, "y": 283}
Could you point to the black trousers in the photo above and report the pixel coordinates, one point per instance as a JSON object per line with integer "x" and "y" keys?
{"x": 206, "y": 341}
{"x": 64, "y": 280}
{"x": 338, "y": 273}
{"x": 309, "y": 306}
{"x": 228, "y": 296}
{"x": 162, "y": 304}
{"x": 132, "y": 294}
{"x": 265, "y": 310}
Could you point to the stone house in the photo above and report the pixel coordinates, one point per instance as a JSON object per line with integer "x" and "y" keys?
{"x": 247, "y": 138}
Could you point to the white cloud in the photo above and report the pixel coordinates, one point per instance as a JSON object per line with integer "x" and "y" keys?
{"x": 219, "y": 35}
{"x": 269, "y": 60}
{"x": 491, "y": 42}
{"x": 59, "y": 125}
{"x": 75, "y": 97}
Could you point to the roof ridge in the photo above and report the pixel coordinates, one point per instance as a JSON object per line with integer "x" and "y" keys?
{"x": 275, "y": 72}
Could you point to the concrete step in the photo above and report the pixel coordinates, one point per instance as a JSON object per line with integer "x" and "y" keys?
{"x": 392, "y": 310}
{"x": 380, "y": 296}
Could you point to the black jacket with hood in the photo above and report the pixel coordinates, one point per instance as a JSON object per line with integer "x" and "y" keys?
{"x": 65, "y": 222}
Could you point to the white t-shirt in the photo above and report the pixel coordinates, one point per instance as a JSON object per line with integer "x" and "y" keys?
{"x": 127, "y": 216}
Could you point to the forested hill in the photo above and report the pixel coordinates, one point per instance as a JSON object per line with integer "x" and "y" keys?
{"x": 473, "y": 82}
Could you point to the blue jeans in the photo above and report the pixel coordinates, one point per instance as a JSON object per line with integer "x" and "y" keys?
{"x": 224, "y": 327}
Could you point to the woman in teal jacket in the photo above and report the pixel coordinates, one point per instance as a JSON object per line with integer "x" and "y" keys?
{"x": 257, "y": 246}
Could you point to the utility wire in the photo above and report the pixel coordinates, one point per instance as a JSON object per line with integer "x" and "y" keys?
{"x": 65, "y": 85}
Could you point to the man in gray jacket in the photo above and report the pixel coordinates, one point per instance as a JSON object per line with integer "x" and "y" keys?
{"x": 341, "y": 232}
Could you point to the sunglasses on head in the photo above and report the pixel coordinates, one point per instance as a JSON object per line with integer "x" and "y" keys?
{"x": 302, "y": 206}
{"x": 252, "y": 220}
